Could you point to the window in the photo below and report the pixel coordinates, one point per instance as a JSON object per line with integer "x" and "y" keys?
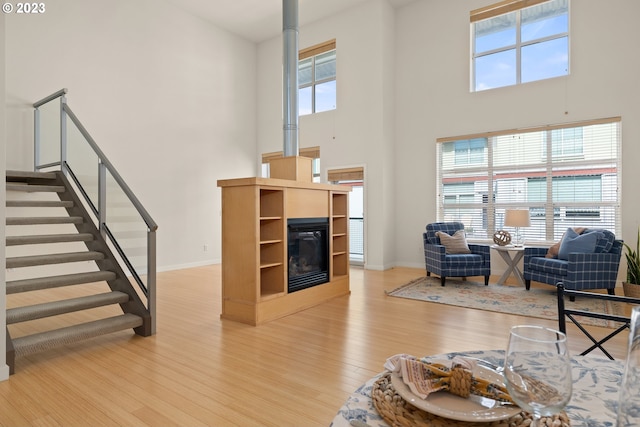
{"x": 513, "y": 44}
{"x": 312, "y": 152}
{"x": 317, "y": 79}
{"x": 565, "y": 142}
{"x": 470, "y": 151}
{"x": 480, "y": 176}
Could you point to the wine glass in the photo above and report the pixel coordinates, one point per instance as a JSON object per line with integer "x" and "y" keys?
{"x": 537, "y": 370}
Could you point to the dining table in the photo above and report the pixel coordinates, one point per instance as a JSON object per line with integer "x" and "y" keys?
{"x": 594, "y": 399}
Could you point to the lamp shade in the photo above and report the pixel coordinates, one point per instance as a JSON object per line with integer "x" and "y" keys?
{"x": 517, "y": 218}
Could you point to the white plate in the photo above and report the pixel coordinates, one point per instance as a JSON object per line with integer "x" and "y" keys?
{"x": 447, "y": 405}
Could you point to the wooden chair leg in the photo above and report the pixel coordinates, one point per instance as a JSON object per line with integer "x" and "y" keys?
{"x": 611, "y": 291}
{"x": 486, "y": 280}
{"x": 442, "y": 280}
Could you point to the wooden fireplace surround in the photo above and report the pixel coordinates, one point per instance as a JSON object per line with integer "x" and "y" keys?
{"x": 254, "y": 245}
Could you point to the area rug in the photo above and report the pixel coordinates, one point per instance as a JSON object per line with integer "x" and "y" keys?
{"x": 539, "y": 303}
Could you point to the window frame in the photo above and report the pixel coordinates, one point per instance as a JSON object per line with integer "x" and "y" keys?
{"x": 556, "y": 189}
{"x": 312, "y": 53}
{"x": 502, "y": 9}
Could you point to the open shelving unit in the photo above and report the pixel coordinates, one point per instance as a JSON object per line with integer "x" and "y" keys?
{"x": 255, "y": 212}
{"x": 339, "y": 234}
{"x": 272, "y": 243}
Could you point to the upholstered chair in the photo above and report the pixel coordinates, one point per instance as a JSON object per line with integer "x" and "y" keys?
{"x": 592, "y": 264}
{"x": 449, "y": 254}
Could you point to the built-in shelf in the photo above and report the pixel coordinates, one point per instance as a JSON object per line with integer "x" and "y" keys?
{"x": 255, "y": 212}
{"x": 339, "y": 234}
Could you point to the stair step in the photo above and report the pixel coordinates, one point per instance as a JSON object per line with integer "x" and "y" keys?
{"x": 54, "y": 308}
{"x": 46, "y": 340}
{"x": 34, "y": 260}
{"x": 39, "y": 220}
{"x": 27, "y": 285}
{"x": 13, "y": 174}
{"x": 33, "y": 188}
{"x": 39, "y": 204}
{"x": 48, "y": 238}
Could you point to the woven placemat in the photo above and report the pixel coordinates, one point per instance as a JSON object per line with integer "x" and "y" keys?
{"x": 399, "y": 413}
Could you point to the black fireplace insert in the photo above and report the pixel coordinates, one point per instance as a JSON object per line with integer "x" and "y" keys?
{"x": 308, "y": 250}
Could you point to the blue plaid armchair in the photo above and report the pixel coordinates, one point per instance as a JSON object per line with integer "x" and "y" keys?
{"x": 598, "y": 270}
{"x": 476, "y": 263}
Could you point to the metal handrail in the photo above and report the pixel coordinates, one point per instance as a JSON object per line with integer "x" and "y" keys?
{"x": 104, "y": 160}
{"x": 104, "y": 165}
{"x": 51, "y": 97}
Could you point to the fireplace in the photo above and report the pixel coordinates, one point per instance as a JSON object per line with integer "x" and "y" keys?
{"x": 308, "y": 252}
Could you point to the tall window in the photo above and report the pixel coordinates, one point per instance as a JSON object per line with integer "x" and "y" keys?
{"x": 565, "y": 175}
{"x": 514, "y": 44}
{"x": 317, "y": 78}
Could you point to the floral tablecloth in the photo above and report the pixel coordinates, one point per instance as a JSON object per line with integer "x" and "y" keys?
{"x": 596, "y": 383}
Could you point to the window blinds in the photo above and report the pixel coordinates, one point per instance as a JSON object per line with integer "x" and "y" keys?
{"x": 566, "y": 175}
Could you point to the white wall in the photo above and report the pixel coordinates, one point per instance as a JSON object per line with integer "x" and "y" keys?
{"x": 433, "y": 99}
{"x": 360, "y": 130}
{"x": 169, "y": 98}
{"x": 184, "y": 95}
{"x": 4, "y": 368}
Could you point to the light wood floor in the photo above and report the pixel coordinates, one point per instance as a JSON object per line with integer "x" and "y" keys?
{"x": 201, "y": 371}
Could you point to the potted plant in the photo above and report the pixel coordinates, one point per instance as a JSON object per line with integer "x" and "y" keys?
{"x": 632, "y": 286}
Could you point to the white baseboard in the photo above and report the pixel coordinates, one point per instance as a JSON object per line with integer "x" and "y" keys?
{"x": 188, "y": 265}
{"x": 4, "y": 373}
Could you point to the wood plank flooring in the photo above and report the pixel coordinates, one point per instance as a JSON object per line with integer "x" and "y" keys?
{"x": 199, "y": 370}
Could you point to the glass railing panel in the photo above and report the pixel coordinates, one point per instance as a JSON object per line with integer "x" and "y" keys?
{"x": 49, "y": 149}
{"x": 83, "y": 163}
{"x": 127, "y": 227}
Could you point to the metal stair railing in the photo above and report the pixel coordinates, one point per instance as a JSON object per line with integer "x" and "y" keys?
{"x": 61, "y": 141}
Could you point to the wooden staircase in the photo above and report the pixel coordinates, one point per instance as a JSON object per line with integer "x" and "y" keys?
{"x": 38, "y": 201}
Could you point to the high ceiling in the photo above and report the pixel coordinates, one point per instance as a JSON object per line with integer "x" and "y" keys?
{"x": 259, "y": 20}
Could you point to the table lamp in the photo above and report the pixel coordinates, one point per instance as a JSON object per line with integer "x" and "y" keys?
{"x": 517, "y": 218}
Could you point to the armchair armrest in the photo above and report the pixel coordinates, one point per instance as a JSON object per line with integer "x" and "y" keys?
{"x": 479, "y": 249}
{"x": 592, "y": 263}
{"x": 436, "y": 252}
{"x": 483, "y": 250}
{"x": 535, "y": 251}
{"x": 592, "y": 271}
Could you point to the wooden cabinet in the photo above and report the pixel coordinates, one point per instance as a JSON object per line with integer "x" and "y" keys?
{"x": 254, "y": 245}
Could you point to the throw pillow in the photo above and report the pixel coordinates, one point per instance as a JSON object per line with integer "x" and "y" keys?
{"x": 553, "y": 250}
{"x": 456, "y": 244}
{"x": 574, "y": 242}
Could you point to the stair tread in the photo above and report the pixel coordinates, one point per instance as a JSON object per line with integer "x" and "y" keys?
{"x": 54, "y": 308}
{"x": 33, "y": 260}
{"x": 48, "y": 238}
{"x": 26, "y": 285}
{"x": 13, "y": 174}
{"x": 34, "y": 188}
{"x": 55, "y": 182}
{"x": 36, "y": 220}
{"x": 46, "y": 340}
{"x": 39, "y": 204}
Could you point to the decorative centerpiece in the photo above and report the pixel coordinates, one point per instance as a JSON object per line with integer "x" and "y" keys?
{"x": 501, "y": 238}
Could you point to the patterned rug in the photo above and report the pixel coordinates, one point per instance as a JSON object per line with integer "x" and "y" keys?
{"x": 540, "y": 303}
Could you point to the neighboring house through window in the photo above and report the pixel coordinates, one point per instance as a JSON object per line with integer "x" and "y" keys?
{"x": 317, "y": 78}
{"x": 480, "y": 176}
{"x": 519, "y": 41}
